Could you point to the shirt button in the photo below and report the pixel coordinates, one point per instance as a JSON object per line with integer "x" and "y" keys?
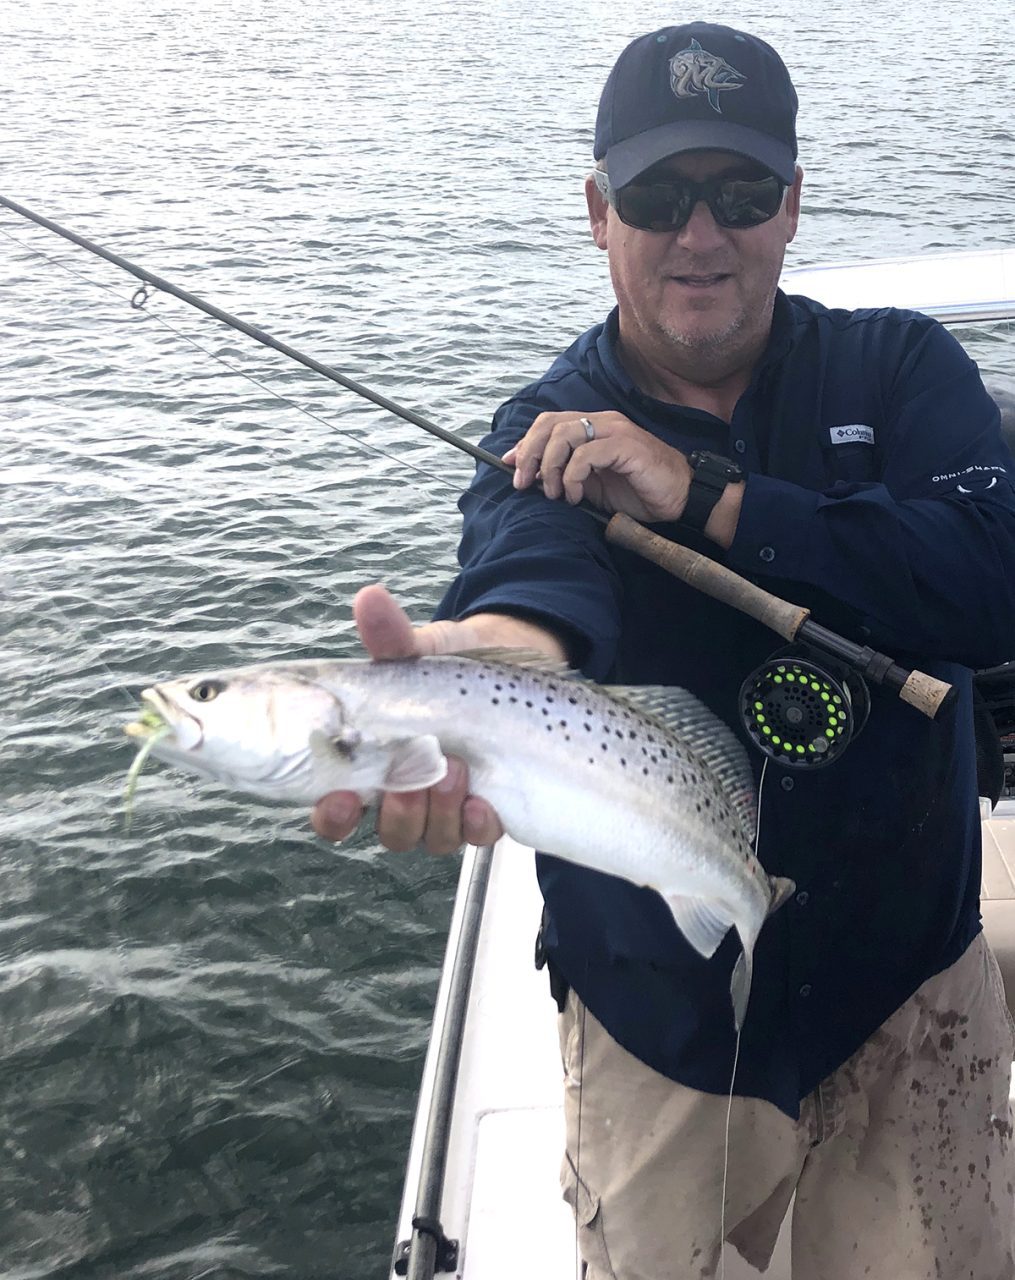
{"x": 740, "y": 446}
{"x": 767, "y": 554}
{"x": 803, "y": 897}
{"x": 805, "y": 990}
{"x": 787, "y": 784}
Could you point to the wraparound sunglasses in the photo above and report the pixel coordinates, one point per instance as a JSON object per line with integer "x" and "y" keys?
{"x": 735, "y": 203}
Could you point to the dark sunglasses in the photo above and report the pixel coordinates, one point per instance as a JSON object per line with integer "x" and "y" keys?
{"x": 667, "y": 206}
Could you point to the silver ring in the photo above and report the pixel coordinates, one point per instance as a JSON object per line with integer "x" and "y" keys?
{"x": 590, "y": 431}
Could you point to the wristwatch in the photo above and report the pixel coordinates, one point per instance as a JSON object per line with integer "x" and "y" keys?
{"x": 712, "y": 473}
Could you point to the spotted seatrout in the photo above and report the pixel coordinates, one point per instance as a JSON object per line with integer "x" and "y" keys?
{"x": 642, "y": 783}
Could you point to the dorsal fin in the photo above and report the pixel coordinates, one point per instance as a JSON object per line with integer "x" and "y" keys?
{"x": 711, "y": 740}
{"x": 533, "y": 659}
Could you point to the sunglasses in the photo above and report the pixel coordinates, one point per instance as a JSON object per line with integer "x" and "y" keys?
{"x": 735, "y": 203}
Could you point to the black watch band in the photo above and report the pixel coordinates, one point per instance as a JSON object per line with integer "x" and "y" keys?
{"x": 712, "y": 473}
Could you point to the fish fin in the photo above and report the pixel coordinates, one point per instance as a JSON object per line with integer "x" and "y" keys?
{"x": 740, "y": 987}
{"x": 401, "y": 764}
{"x": 782, "y": 888}
{"x": 709, "y": 738}
{"x": 415, "y": 763}
{"x": 534, "y": 659}
{"x": 699, "y": 922}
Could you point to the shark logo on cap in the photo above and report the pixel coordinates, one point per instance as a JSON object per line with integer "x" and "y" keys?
{"x": 694, "y": 71}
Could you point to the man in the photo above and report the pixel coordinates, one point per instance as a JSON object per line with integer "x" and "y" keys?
{"x": 852, "y": 463}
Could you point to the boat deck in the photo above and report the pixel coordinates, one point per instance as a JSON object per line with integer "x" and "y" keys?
{"x": 501, "y": 1194}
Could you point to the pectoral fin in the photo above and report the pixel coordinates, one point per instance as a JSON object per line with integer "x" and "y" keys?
{"x": 701, "y": 923}
{"x": 415, "y": 763}
{"x": 401, "y": 764}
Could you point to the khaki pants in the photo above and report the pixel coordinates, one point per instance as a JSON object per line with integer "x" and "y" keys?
{"x": 902, "y": 1161}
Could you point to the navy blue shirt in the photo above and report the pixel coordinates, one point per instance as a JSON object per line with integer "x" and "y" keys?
{"x": 879, "y": 495}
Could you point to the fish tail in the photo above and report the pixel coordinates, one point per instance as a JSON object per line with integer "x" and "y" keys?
{"x": 740, "y": 986}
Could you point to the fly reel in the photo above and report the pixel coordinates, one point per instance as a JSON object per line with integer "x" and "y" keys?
{"x": 803, "y": 713}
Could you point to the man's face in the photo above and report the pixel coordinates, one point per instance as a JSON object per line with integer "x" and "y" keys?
{"x": 701, "y": 296}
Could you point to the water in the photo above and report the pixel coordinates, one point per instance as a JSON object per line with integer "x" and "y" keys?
{"x": 213, "y": 1027}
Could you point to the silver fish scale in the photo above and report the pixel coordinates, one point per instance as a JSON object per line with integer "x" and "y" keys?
{"x": 608, "y": 729}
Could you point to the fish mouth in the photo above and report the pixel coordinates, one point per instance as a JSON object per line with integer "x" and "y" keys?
{"x": 147, "y": 724}
{"x": 162, "y": 717}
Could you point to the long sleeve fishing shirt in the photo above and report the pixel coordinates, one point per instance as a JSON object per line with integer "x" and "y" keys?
{"x": 879, "y": 495}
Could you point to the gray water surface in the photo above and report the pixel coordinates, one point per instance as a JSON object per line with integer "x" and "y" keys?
{"x": 212, "y": 1028}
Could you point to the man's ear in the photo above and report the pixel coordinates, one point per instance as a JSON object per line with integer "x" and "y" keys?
{"x": 793, "y": 202}
{"x": 598, "y": 211}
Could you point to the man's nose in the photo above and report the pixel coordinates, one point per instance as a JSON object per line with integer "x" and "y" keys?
{"x": 701, "y": 229}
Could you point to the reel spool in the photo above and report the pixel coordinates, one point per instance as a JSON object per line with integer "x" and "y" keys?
{"x": 802, "y": 713}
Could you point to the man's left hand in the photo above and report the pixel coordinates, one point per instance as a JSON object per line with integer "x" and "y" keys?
{"x": 623, "y": 468}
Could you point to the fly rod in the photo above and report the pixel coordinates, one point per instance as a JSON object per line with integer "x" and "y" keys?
{"x": 927, "y": 694}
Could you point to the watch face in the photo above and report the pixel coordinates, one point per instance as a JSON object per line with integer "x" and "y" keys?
{"x": 715, "y": 464}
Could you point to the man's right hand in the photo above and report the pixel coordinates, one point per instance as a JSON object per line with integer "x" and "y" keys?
{"x": 446, "y": 816}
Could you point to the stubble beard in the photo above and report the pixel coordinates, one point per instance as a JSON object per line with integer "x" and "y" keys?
{"x": 716, "y": 351}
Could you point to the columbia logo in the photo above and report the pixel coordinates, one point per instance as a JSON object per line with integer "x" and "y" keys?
{"x": 853, "y": 433}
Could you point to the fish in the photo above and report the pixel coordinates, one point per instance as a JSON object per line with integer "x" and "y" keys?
{"x": 641, "y": 782}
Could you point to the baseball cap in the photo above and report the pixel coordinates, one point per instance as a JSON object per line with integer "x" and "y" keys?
{"x": 696, "y": 87}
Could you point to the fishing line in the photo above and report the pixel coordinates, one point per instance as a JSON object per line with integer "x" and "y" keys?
{"x": 736, "y": 1060}
{"x": 145, "y": 314}
{"x": 791, "y": 621}
{"x": 139, "y": 303}
{"x": 349, "y": 436}
{"x": 578, "y": 1136}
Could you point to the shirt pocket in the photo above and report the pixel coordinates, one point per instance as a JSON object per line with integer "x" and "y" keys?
{"x": 852, "y": 462}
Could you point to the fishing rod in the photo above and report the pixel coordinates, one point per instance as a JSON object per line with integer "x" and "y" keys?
{"x": 801, "y": 714}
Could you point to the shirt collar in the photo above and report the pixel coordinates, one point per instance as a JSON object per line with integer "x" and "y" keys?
{"x": 780, "y": 340}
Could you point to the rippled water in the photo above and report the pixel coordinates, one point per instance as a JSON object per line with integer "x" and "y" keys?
{"x": 213, "y": 1026}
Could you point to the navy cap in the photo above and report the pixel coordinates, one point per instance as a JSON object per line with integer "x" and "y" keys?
{"x": 692, "y": 88}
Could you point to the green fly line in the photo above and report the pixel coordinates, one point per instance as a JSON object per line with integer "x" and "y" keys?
{"x": 151, "y": 720}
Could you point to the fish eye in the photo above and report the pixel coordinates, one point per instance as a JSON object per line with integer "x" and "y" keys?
{"x": 207, "y": 690}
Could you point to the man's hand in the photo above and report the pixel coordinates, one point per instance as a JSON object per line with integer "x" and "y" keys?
{"x": 446, "y": 816}
{"x": 622, "y": 468}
